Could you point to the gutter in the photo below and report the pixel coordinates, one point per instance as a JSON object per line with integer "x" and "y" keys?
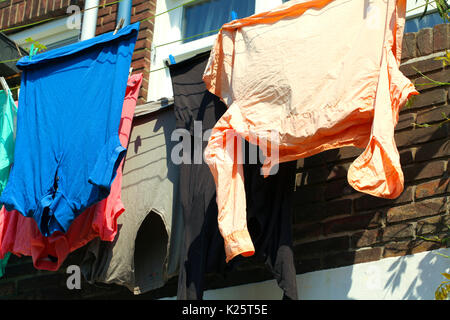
{"x": 89, "y": 24}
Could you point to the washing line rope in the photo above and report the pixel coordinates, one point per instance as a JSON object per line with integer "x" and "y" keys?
{"x": 115, "y": 2}
{"x": 151, "y": 17}
{"x": 103, "y": 5}
{"x": 161, "y": 45}
{"x": 53, "y": 18}
{"x": 99, "y": 6}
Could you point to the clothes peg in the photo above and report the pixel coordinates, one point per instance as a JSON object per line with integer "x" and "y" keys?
{"x": 234, "y": 15}
{"x": 172, "y": 59}
{"x": 18, "y": 50}
{"x": 119, "y": 25}
{"x": 4, "y": 85}
{"x": 31, "y": 50}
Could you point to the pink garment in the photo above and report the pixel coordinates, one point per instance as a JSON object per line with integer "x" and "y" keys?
{"x": 20, "y": 235}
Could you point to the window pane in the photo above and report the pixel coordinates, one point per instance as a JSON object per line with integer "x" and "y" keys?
{"x": 61, "y": 43}
{"x": 210, "y": 15}
{"x": 428, "y": 21}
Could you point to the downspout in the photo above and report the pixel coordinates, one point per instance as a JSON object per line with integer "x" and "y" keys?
{"x": 89, "y": 19}
{"x": 124, "y": 11}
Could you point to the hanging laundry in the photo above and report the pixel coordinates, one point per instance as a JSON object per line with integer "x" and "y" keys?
{"x": 68, "y": 147}
{"x": 269, "y": 212}
{"x": 8, "y": 121}
{"x": 21, "y": 236}
{"x": 303, "y": 78}
{"x": 269, "y": 219}
{"x": 9, "y": 113}
{"x": 3, "y": 263}
{"x": 145, "y": 253}
{"x": 202, "y": 250}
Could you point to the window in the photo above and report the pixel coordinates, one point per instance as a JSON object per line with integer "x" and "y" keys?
{"x": 52, "y": 34}
{"x": 213, "y": 15}
{"x": 414, "y": 10}
{"x": 187, "y": 30}
{"x": 414, "y": 24}
{"x": 197, "y": 22}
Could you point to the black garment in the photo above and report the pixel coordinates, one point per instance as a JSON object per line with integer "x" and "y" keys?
{"x": 268, "y": 200}
{"x": 269, "y": 221}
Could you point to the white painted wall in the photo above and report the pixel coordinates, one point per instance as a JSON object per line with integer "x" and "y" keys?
{"x": 412, "y": 277}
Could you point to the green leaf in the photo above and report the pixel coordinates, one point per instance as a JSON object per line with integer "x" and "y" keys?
{"x": 445, "y": 60}
{"x": 446, "y": 275}
{"x": 442, "y": 7}
{"x": 424, "y": 125}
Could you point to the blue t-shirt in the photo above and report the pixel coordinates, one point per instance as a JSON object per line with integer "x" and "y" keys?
{"x": 67, "y": 144}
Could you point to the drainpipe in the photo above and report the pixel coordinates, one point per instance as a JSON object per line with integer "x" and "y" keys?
{"x": 124, "y": 11}
{"x": 89, "y": 19}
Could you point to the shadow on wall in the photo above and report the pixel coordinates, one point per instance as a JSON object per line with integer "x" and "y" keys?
{"x": 412, "y": 277}
{"x": 337, "y": 230}
{"x": 422, "y": 283}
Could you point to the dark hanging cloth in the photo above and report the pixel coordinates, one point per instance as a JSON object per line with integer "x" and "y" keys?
{"x": 269, "y": 199}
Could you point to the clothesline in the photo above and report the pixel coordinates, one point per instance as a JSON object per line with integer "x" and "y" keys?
{"x": 53, "y": 18}
{"x": 187, "y": 38}
{"x": 15, "y": 88}
{"x": 152, "y": 17}
{"x": 164, "y": 44}
{"x": 115, "y": 2}
{"x": 168, "y": 43}
{"x": 99, "y": 6}
{"x": 104, "y": 5}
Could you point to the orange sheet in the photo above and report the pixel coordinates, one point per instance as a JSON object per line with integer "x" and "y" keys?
{"x": 300, "y": 79}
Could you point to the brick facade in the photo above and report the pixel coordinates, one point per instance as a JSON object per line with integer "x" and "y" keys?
{"x": 15, "y": 13}
{"x": 141, "y": 9}
{"x": 336, "y": 226}
{"x": 333, "y": 224}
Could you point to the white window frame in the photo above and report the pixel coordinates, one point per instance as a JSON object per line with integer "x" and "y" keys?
{"x": 168, "y": 28}
{"x": 415, "y": 10}
{"x": 411, "y": 4}
{"x": 48, "y": 33}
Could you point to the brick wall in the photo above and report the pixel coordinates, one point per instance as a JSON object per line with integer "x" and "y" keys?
{"x": 15, "y": 13}
{"x": 141, "y": 9}
{"x": 336, "y": 226}
{"x": 20, "y": 12}
{"x": 333, "y": 224}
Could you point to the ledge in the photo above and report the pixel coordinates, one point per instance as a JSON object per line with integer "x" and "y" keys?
{"x": 152, "y": 106}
